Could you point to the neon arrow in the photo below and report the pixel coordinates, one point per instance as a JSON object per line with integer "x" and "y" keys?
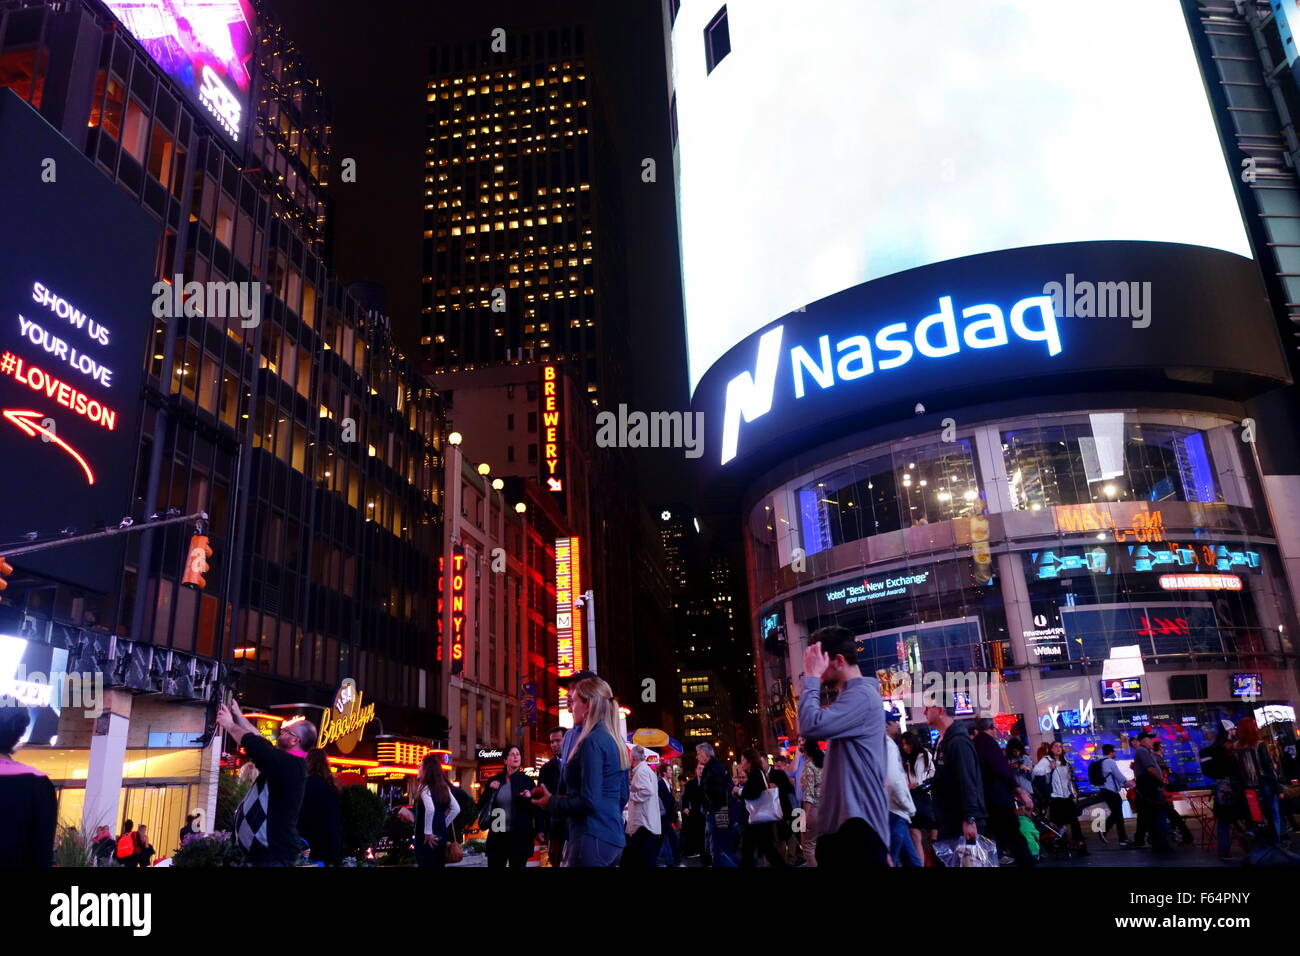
{"x": 554, "y": 484}
{"x": 25, "y": 419}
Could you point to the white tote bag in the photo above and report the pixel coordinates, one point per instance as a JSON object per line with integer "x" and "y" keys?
{"x": 765, "y": 808}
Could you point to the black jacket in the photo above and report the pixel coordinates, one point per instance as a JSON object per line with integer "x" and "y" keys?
{"x": 958, "y": 785}
{"x": 468, "y": 813}
{"x": 286, "y": 780}
{"x": 667, "y": 803}
{"x": 692, "y": 796}
{"x": 780, "y": 780}
{"x": 28, "y": 814}
{"x": 717, "y": 786}
{"x": 320, "y": 822}
{"x": 523, "y": 811}
{"x": 547, "y": 823}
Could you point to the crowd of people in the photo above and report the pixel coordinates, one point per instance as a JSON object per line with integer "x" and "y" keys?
{"x": 858, "y": 792}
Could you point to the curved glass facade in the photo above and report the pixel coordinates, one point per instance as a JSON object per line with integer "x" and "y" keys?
{"x": 1091, "y": 569}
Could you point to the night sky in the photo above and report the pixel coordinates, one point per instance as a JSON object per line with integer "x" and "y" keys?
{"x": 372, "y": 60}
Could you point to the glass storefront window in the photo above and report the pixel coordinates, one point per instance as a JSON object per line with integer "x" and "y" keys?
{"x": 899, "y": 489}
{"x": 1125, "y": 595}
{"x": 1107, "y": 459}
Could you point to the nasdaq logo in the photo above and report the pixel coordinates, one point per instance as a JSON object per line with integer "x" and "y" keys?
{"x": 985, "y": 326}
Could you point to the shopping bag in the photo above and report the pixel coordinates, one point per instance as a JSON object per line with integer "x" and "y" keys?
{"x": 957, "y": 852}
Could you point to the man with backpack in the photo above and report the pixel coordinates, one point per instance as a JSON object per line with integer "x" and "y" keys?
{"x": 128, "y": 849}
{"x": 1104, "y": 774}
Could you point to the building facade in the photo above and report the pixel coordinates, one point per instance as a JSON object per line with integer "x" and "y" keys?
{"x": 520, "y": 240}
{"x": 313, "y": 445}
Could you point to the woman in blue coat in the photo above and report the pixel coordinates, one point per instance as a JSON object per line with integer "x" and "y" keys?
{"x": 595, "y": 780}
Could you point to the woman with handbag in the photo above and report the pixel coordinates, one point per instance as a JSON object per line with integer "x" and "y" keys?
{"x": 919, "y": 766}
{"x": 762, "y": 812}
{"x": 506, "y": 814}
{"x": 431, "y": 795}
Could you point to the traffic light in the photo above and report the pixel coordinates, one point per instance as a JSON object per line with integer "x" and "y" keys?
{"x": 6, "y": 569}
{"x": 196, "y": 565}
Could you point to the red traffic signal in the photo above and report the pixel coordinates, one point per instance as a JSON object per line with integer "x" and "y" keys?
{"x": 6, "y": 569}
{"x": 196, "y": 564}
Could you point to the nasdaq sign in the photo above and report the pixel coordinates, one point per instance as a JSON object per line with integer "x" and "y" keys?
{"x": 985, "y": 326}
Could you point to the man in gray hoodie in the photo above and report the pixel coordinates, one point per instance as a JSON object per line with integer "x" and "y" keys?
{"x": 853, "y": 814}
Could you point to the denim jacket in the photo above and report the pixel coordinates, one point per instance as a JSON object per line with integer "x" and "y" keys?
{"x": 596, "y": 790}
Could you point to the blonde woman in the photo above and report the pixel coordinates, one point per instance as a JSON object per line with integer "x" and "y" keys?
{"x": 595, "y": 780}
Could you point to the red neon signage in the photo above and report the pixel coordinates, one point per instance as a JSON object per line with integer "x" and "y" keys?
{"x": 457, "y": 609}
{"x": 442, "y": 602}
{"x": 39, "y": 380}
{"x": 29, "y": 422}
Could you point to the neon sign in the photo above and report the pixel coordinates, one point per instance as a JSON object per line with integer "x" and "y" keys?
{"x": 1200, "y": 582}
{"x": 750, "y": 394}
{"x": 568, "y": 617}
{"x": 552, "y": 422}
{"x": 457, "y": 609}
{"x": 345, "y": 722}
{"x": 39, "y": 380}
{"x": 26, "y": 419}
{"x": 442, "y": 603}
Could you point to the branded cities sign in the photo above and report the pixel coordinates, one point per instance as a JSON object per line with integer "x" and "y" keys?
{"x": 74, "y": 316}
{"x": 568, "y": 617}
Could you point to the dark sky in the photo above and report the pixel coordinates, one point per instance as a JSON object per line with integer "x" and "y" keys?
{"x": 372, "y": 58}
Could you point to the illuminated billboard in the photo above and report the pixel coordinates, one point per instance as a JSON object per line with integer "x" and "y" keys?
{"x": 826, "y": 144}
{"x": 568, "y": 617}
{"x": 74, "y": 315}
{"x": 553, "y": 424}
{"x": 205, "y": 46}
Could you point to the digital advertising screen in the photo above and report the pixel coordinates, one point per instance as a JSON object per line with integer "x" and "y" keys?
{"x": 206, "y": 46}
{"x": 75, "y": 312}
{"x": 837, "y": 142}
{"x": 1123, "y": 690}
{"x": 1250, "y": 686}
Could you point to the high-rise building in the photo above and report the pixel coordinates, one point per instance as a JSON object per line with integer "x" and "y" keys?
{"x": 520, "y": 241}
{"x": 708, "y": 634}
{"x": 312, "y": 443}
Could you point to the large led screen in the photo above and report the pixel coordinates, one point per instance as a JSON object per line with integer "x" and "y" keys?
{"x": 837, "y": 141}
{"x": 204, "y": 45}
{"x": 76, "y": 296}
